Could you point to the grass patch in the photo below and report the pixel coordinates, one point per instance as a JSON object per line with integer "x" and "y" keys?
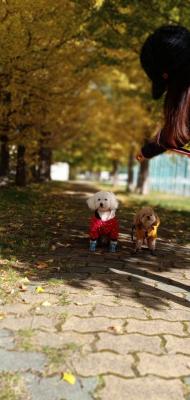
{"x": 24, "y": 339}
{"x": 156, "y": 199}
{"x": 60, "y": 359}
{"x": 63, "y": 299}
{"x": 162, "y": 200}
{"x": 8, "y": 281}
{"x": 57, "y": 359}
{"x": 55, "y": 282}
{"x": 12, "y": 387}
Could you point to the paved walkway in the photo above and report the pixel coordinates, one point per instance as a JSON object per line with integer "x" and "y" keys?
{"x": 120, "y": 324}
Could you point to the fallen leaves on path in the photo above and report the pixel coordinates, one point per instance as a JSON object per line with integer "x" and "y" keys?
{"x": 40, "y": 289}
{"x": 41, "y": 265}
{"x": 69, "y": 377}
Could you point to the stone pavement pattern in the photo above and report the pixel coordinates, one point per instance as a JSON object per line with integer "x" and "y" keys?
{"x": 119, "y": 323}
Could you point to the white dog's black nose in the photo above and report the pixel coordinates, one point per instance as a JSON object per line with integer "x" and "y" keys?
{"x": 101, "y": 205}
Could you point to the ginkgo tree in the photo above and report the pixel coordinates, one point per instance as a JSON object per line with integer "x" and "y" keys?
{"x": 71, "y": 83}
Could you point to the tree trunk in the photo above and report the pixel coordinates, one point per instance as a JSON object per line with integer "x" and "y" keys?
{"x": 72, "y": 172}
{"x": 114, "y": 172}
{"x": 21, "y": 166}
{"x": 45, "y": 161}
{"x": 142, "y": 182}
{"x": 4, "y": 156}
{"x": 130, "y": 178}
{"x": 34, "y": 173}
{"x": 45, "y": 158}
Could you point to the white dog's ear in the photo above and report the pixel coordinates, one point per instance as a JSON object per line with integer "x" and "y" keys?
{"x": 91, "y": 203}
{"x": 113, "y": 201}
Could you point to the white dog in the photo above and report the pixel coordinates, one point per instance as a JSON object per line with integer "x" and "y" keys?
{"x": 146, "y": 224}
{"x": 104, "y": 222}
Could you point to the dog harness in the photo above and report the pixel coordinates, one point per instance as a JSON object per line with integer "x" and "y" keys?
{"x": 150, "y": 233}
{"x": 98, "y": 228}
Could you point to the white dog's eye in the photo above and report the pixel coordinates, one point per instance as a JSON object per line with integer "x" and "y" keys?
{"x": 106, "y": 199}
{"x": 99, "y": 199}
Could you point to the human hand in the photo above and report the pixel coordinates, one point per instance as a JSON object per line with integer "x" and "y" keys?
{"x": 140, "y": 157}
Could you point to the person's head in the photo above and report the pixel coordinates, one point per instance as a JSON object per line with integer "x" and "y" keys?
{"x": 165, "y": 57}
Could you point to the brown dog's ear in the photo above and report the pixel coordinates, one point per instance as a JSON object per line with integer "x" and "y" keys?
{"x": 137, "y": 219}
{"x": 157, "y": 222}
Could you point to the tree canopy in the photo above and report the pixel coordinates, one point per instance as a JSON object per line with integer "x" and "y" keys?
{"x": 70, "y": 78}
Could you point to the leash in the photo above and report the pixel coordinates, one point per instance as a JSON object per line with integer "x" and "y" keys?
{"x": 133, "y": 228}
{"x": 132, "y": 232}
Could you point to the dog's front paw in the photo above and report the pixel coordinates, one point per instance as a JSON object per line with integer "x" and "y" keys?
{"x": 134, "y": 252}
{"x": 93, "y": 244}
{"x": 113, "y": 246}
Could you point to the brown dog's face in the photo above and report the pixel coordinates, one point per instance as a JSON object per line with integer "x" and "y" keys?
{"x": 146, "y": 216}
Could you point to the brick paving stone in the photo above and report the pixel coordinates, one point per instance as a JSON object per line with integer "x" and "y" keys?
{"x": 60, "y": 339}
{"x": 169, "y": 288}
{"x": 158, "y": 293}
{"x": 35, "y": 322}
{"x": 103, "y": 363}
{"x": 124, "y": 344}
{"x": 6, "y": 339}
{"x": 105, "y": 281}
{"x": 177, "y": 345}
{"x": 91, "y": 298}
{"x": 93, "y": 324}
{"x": 53, "y": 388}
{"x": 149, "y": 301}
{"x": 166, "y": 366}
{"x": 119, "y": 312}
{"x": 155, "y": 327}
{"x": 184, "y": 305}
{"x": 151, "y": 388}
{"x": 18, "y": 308}
{"x": 32, "y": 298}
{"x": 21, "y": 361}
{"x": 70, "y": 309}
{"x": 171, "y": 315}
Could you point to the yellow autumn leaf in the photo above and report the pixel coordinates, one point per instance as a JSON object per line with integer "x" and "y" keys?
{"x": 39, "y": 289}
{"x": 69, "y": 377}
{"x": 98, "y": 3}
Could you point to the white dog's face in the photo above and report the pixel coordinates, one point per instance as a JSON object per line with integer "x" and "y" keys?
{"x": 146, "y": 216}
{"x": 103, "y": 201}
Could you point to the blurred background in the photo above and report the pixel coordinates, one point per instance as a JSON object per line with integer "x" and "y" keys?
{"x": 74, "y": 101}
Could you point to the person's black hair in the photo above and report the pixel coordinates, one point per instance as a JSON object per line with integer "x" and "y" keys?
{"x": 165, "y": 57}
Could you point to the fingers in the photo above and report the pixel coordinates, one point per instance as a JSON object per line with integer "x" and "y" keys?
{"x": 140, "y": 157}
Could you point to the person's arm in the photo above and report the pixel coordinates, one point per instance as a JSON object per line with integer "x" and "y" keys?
{"x": 152, "y": 149}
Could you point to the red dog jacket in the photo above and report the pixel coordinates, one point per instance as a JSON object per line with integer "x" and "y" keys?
{"x": 99, "y": 228}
